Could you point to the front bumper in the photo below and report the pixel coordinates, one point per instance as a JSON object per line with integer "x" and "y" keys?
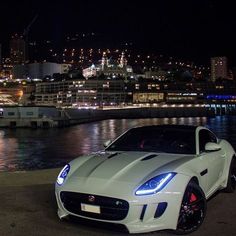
{"x": 145, "y": 213}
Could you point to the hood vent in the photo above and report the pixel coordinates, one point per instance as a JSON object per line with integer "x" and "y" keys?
{"x": 149, "y": 157}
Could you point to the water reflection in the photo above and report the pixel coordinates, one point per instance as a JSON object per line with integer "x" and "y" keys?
{"x": 24, "y": 149}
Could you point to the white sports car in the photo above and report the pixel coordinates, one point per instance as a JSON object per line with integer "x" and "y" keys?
{"x": 150, "y": 178}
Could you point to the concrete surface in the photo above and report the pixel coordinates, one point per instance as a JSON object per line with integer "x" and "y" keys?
{"x": 28, "y": 207}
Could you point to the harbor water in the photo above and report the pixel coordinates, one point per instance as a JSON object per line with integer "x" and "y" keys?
{"x": 30, "y": 149}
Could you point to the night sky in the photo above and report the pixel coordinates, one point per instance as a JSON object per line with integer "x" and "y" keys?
{"x": 193, "y": 29}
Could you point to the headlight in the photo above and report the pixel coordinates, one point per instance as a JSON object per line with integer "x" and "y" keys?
{"x": 155, "y": 184}
{"x": 62, "y": 176}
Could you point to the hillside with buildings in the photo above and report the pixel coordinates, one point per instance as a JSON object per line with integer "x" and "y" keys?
{"x": 82, "y": 77}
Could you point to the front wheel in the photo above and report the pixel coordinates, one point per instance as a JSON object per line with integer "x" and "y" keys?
{"x": 231, "y": 182}
{"x": 193, "y": 209}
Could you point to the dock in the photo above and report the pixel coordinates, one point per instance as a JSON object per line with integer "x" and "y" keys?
{"x": 50, "y": 117}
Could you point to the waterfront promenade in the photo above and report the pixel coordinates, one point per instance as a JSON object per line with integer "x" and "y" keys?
{"x": 46, "y": 117}
{"x": 28, "y": 207}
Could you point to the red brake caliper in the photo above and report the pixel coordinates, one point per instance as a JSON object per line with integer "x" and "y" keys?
{"x": 193, "y": 198}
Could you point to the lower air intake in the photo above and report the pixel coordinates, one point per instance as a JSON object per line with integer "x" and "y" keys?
{"x": 160, "y": 209}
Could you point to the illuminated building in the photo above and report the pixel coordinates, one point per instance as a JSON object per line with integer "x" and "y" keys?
{"x": 109, "y": 68}
{"x": 79, "y": 93}
{"x": 90, "y": 71}
{"x": 219, "y": 68}
{"x": 148, "y": 97}
{"x": 104, "y": 62}
{"x": 17, "y": 50}
{"x": 6, "y": 70}
{"x": 113, "y": 92}
{"x": 122, "y": 61}
{"x": 184, "y": 97}
{"x": 11, "y": 93}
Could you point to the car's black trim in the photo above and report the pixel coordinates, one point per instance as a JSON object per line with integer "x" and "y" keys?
{"x": 149, "y": 157}
{"x": 161, "y": 207}
{"x": 143, "y": 212}
{"x": 204, "y": 172}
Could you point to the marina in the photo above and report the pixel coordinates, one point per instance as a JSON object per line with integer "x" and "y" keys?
{"x": 49, "y": 117}
{"x": 32, "y": 149}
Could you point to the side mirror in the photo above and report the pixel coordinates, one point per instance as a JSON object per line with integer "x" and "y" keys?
{"x": 107, "y": 143}
{"x": 212, "y": 147}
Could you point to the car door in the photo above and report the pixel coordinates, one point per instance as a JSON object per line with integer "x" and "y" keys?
{"x": 214, "y": 159}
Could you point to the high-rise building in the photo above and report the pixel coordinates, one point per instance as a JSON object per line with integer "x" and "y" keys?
{"x": 219, "y": 68}
{"x": 17, "y": 50}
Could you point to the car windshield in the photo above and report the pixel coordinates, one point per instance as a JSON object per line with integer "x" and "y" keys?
{"x": 157, "y": 139}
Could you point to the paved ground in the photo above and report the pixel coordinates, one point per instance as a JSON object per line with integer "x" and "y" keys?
{"x": 27, "y": 207}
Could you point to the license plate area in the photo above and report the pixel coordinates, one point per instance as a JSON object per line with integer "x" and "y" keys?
{"x": 90, "y": 208}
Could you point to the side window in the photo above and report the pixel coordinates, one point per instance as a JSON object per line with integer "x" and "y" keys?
{"x": 205, "y": 136}
{"x": 213, "y": 137}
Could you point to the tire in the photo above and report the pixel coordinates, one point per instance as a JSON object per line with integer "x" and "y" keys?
{"x": 192, "y": 210}
{"x": 231, "y": 182}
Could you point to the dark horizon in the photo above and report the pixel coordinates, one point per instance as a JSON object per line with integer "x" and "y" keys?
{"x": 193, "y": 31}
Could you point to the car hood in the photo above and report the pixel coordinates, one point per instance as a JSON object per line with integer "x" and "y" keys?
{"x": 107, "y": 169}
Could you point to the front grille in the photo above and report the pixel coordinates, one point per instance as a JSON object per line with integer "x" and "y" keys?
{"x": 111, "y": 208}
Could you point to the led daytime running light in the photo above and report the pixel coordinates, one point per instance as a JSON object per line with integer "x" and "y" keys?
{"x": 160, "y": 184}
{"x": 62, "y": 175}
